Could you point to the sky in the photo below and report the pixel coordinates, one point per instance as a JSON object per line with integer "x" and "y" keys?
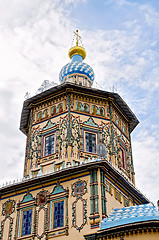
{"x": 121, "y": 38}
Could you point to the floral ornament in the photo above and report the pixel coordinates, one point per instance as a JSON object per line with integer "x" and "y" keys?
{"x": 42, "y": 197}
{"x": 8, "y": 208}
{"x": 79, "y": 188}
{"x": 77, "y": 222}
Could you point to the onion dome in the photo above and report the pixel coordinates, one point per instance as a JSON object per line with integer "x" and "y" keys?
{"x": 77, "y": 71}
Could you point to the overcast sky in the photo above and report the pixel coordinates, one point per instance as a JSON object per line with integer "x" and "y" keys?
{"x": 121, "y": 38}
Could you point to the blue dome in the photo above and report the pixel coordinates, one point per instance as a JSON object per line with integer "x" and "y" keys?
{"x": 76, "y": 67}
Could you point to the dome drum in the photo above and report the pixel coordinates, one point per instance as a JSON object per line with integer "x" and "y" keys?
{"x": 78, "y": 79}
{"x": 83, "y": 72}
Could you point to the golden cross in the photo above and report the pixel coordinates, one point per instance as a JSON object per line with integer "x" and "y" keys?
{"x": 77, "y": 37}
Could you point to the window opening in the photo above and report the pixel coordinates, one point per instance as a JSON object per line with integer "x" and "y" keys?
{"x": 58, "y": 214}
{"x": 90, "y": 142}
{"x": 49, "y": 145}
{"x": 27, "y": 221}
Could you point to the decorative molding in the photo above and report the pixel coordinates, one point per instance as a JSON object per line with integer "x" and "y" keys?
{"x": 79, "y": 188}
{"x": 10, "y": 227}
{"x": 49, "y": 125}
{"x": 58, "y": 189}
{"x": 27, "y": 198}
{"x": 98, "y": 111}
{"x": 82, "y": 107}
{"x": 63, "y": 139}
{"x": 42, "y": 197}
{"x": 8, "y": 208}
{"x": 76, "y": 225}
{"x": 42, "y": 208}
{"x": 75, "y": 138}
{"x": 35, "y": 146}
{"x": 91, "y": 122}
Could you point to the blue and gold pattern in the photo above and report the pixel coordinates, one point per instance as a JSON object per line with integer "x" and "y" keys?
{"x": 76, "y": 67}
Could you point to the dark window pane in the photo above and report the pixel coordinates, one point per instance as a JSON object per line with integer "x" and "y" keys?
{"x": 58, "y": 214}
{"x": 49, "y": 145}
{"x": 26, "y": 224}
{"x": 90, "y": 142}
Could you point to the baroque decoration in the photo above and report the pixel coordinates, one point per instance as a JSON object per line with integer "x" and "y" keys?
{"x": 42, "y": 197}
{"x": 8, "y": 208}
{"x": 49, "y": 125}
{"x": 82, "y": 107}
{"x": 27, "y": 198}
{"x": 4, "y": 231}
{"x": 63, "y": 139}
{"x": 42, "y": 213}
{"x": 91, "y": 122}
{"x": 98, "y": 111}
{"x": 75, "y": 138}
{"x": 39, "y": 220}
{"x": 79, "y": 189}
{"x": 35, "y": 147}
{"x": 75, "y": 223}
{"x": 106, "y": 138}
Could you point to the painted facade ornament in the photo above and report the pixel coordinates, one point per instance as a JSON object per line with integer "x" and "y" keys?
{"x": 49, "y": 125}
{"x": 27, "y": 197}
{"x": 6, "y": 228}
{"x": 79, "y": 206}
{"x": 79, "y": 213}
{"x": 35, "y": 147}
{"x": 56, "y": 109}
{"x": 42, "y": 225}
{"x": 46, "y": 113}
{"x": 8, "y": 208}
{"x": 63, "y": 139}
{"x": 39, "y": 116}
{"x": 42, "y": 197}
{"x": 82, "y": 107}
{"x": 58, "y": 189}
{"x": 79, "y": 188}
{"x": 53, "y": 110}
{"x": 98, "y": 111}
{"x": 60, "y": 108}
{"x": 106, "y": 139}
{"x": 75, "y": 138}
{"x": 91, "y": 122}
{"x": 115, "y": 147}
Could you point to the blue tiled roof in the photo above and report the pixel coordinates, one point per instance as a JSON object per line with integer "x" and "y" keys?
{"x": 76, "y": 67}
{"x": 127, "y": 215}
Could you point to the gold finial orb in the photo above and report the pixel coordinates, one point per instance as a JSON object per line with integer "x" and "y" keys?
{"x": 77, "y": 49}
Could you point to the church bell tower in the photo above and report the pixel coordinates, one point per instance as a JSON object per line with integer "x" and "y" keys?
{"x": 78, "y": 161}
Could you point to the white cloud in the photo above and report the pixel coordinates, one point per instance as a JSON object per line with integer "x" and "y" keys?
{"x": 146, "y": 155}
{"x": 150, "y": 14}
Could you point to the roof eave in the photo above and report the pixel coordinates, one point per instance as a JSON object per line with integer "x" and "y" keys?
{"x": 117, "y": 99}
